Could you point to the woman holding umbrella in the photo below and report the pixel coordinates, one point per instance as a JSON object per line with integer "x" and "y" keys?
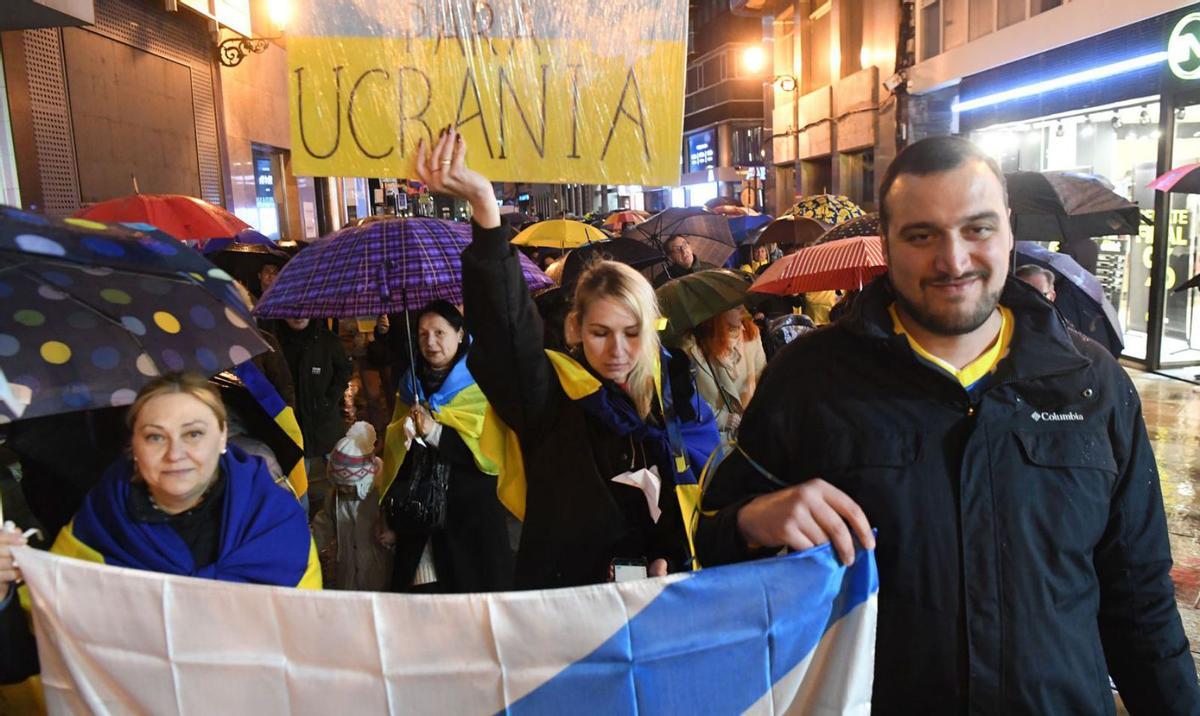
{"x": 183, "y": 503}
{"x": 440, "y": 402}
{"x": 612, "y": 435}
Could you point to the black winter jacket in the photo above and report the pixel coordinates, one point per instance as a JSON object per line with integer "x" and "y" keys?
{"x": 1022, "y": 544}
{"x": 321, "y": 371}
{"x": 576, "y": 519}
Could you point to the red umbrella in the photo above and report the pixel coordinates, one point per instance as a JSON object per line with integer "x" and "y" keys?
{"x": 1185, "y": 180}
{"x": 184, "y": 217}
{"x": 843, "y": 264}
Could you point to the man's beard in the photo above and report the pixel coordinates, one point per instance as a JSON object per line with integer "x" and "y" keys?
{"x": 955, "y": 324}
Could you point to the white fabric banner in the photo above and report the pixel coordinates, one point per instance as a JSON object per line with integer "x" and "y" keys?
{"x": 787, "y": 635}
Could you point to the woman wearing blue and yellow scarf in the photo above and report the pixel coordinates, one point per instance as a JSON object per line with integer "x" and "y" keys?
{"x": 441, "y": 403}
{"x": 182, "y": 503}
{"x": 612, "y": 436}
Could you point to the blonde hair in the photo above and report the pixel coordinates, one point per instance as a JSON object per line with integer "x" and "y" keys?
{"x": 192, "y": 384}
{"x": 628, "y": 288}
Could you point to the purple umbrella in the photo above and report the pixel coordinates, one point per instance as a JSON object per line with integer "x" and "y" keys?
{"x": 382, "y": 267}
{"x": 1081, "y": 296}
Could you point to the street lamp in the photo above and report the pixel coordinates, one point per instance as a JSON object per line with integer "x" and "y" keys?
{"x": 754, "y": 59}
{"x": 231, "y": 52}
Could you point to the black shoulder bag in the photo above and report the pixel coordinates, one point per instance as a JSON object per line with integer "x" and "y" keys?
{"x": 416, "y": 501}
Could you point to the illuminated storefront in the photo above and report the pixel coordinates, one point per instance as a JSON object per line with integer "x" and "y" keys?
{"x": 1123, "y": 107}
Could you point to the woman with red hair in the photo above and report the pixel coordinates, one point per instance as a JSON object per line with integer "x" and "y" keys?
{"x": 729, "y": 358}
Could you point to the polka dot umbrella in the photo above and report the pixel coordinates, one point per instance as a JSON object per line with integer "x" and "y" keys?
{"x": 91, "y": 312}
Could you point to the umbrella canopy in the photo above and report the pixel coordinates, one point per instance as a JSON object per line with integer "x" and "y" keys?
{"x": 831, "y": 209}
{"x": 865, "y": 225}
{"x": 1058, "y": 206}
{"x": 713, "y": 203}
{"x": 730, "y": 210}
{"x": 184, "y": 217}
{"x": 845, "y": 264}
{"x": 618, "y": 219}
{"x": 624, "y": 250}
{"x": 688, "y": 301}
{"x": 1080, "y": 295}
{"x": 1184, "y": 180}
{"x": 791, "y": 230}
{"x": 559, "y": 234}
{"x": 249, "y": 236}
{"x": 708, "y": 233}
{"x": 744, "y": 228}
{"x": 96, "y": 311}
{"x": 243, "y": 262}
{"x": 383, "y": 267}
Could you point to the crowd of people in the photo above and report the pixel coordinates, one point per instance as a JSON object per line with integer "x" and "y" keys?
{"x": 1022, "y": 559}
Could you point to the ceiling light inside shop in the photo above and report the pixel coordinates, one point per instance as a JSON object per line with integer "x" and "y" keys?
{"x": 1181, "y": 114}
{"x": 1116, "y": 122}
{"x": 1144, "y": 116}
{"x": 1059, "y": 129}
{"x": 1086, "y": 128}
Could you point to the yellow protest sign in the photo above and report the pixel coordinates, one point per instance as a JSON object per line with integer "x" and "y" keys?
{"x": 543, "y": 91}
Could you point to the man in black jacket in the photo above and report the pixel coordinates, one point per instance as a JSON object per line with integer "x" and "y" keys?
{"x": 1001, "y": 457}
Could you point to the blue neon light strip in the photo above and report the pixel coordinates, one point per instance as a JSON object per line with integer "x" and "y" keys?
{"x": 1075, "y": 78}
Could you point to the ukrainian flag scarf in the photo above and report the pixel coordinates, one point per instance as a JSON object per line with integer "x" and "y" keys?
{"x": 264, "y": 533}
{"x": 679, "y": 448}
{"x": 458, "y": 404}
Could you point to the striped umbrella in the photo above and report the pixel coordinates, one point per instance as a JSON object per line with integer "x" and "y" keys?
{"x": 838, "y": 265}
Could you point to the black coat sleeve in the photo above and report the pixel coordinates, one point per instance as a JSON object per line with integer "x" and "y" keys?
{"x": 507, "y": 358}
{"x": 342, "y": 370}
{"x": 1144, "y": 642}
{"x": 18, "y": 649}
{"x": 763, "y": 437}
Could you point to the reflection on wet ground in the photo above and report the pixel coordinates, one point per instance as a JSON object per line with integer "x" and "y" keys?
{"x": 1172, "y": 412}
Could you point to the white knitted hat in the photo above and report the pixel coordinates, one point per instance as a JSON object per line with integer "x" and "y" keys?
{"x": 354, "y": 455}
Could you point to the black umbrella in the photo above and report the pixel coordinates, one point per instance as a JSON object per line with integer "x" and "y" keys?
{"x": 721, "y": 201}
{"x": 708, "y": 233}
{"x": 243, "y": 262}
{"x": 791, "y": 230}
{"x": 1059, "y": 206}
{"x": 625, "y": 250}
{"x": 865, "y": 225}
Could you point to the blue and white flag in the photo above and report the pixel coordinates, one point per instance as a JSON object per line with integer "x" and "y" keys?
{"x": 793, "y": 634}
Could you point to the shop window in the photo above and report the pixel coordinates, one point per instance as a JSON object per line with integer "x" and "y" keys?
{"x": 954, "y": 23}
{"x": 714, "y": 71}
{"x": 1037, "y": 7}
{"x": 747, "y": 146}
{"x": 817, "y": 72}
{"x": 858, "y": 176}
{"x": 983, "y": 18}
{"x": 931, "y": 29}
{"x": 10, "y": 192}
{"x": 1010, "y": 12}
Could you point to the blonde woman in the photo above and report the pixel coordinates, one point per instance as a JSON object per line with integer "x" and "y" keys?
{"x": 602, "y": 451}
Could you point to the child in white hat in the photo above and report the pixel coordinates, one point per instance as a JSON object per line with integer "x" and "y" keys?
{"x": 349, "y": 529}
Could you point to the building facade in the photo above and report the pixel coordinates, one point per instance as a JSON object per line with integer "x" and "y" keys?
{"x": 1086, "y": 86}
{"x": 830, "y": 96}
{"x": 133, "y": 99}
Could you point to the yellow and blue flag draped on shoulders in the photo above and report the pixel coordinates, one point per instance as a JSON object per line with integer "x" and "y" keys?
{"x": 272, "y": 403}
{"x": 264, "y": 534}
{"x": 680, "y": 448}
{"x": 458, "y": 404}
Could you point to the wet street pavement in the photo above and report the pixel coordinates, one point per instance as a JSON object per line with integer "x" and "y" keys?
{"x": 1172, "y": 411}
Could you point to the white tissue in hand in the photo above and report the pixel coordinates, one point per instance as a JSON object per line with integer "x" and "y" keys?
{"x": 649, "y": 483}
